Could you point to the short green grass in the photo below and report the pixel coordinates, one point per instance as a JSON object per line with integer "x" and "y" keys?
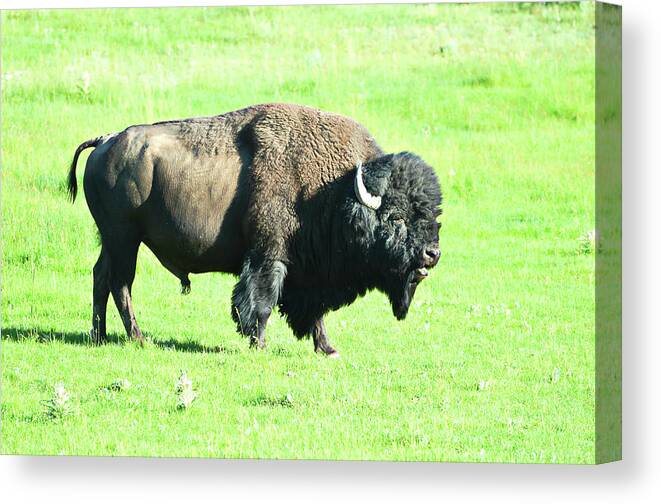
{"x": 495, "y": 361}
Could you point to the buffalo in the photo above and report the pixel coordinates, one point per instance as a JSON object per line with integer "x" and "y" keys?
{"x": 302, "y": 205}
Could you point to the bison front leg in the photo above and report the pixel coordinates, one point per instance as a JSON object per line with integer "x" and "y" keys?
{"x": 304, "y": 310}
{"x": 321, "y": 343}
{"x": 255, "y": 295}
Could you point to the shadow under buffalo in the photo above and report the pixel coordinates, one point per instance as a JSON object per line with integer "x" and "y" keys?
{"x": 20, "y": 334}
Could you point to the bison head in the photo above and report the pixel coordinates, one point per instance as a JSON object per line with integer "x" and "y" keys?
{"x": 398, "y": 198}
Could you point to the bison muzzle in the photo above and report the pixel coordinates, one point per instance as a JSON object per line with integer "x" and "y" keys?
{"x": 301, "y": 205}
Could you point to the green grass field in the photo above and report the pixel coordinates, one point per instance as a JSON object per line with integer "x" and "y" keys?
{"x": 495, "y": 361}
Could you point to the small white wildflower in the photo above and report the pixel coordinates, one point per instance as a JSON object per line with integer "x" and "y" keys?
{"x": 84, "y": 84}
{"x": 59, "y": 404}
{"x": 184, "y": 391}
{"x": 315, "y": 57}
{"x": 451, "y": 173}
{"x": 555, "y": 377}
{"x": 589, "y": 242}
{"x": 61, "y": 393}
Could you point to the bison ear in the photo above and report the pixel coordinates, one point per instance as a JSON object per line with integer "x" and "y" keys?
{"x": 372, "y": 180}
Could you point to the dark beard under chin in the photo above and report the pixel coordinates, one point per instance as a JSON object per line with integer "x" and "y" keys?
{"x": 402, "y": 302}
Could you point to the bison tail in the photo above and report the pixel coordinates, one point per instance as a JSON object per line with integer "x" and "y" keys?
{"x": 72, "y": 183}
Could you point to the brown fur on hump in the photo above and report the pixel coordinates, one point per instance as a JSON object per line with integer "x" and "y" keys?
{"x": 297, "y": 150}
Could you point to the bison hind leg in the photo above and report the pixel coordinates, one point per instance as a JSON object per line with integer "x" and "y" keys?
{"x": 123, "y": 255}
{"x": 100, "y": 294}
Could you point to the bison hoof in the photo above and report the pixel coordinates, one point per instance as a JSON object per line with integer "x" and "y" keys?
{"x": 331, "y": 353}
{"x": 96, "y": 338}
{"x": 138, "y": 341}
{"x": 257, "y": 344}
{"x": 136, "y": 337}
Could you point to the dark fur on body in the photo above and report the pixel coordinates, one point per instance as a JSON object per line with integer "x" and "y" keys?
{"x": 266, "y": 193}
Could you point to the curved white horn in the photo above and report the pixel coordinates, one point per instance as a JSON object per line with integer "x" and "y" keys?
{"x": 363, "y": 195}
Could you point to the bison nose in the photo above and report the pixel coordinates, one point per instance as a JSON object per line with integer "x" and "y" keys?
{"x": 431, "y": 256}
